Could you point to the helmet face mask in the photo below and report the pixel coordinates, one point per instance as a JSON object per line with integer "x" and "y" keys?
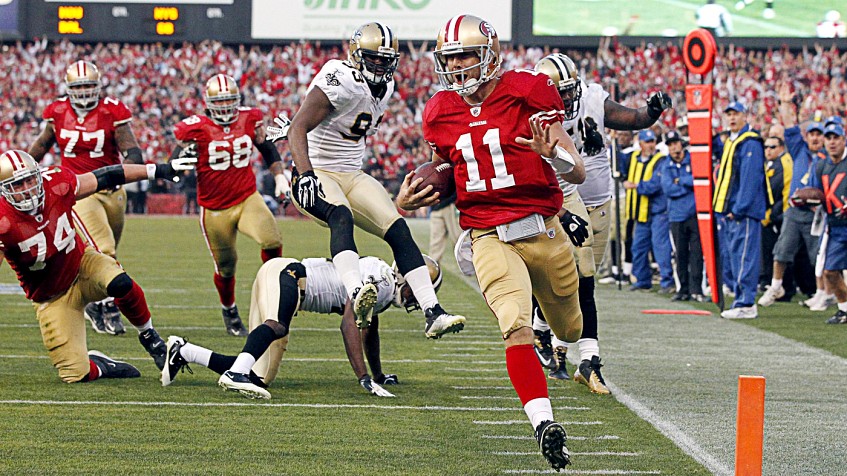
{"x": 21, "y": 183}
{"x": 461, "y": 35}
{"x": 374, "y": 51}
{"x": 82, "y": 83}
{"x": 222, "y": 99}
{"x": 403, "y": 295}
{"x": 562, "y": 70}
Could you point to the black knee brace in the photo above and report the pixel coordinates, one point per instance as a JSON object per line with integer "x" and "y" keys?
{"x": 340, "y": 221}
{"x": 407, "y": 255}
{"x": 588, "y": 307}
{"x": 120, "y": 286}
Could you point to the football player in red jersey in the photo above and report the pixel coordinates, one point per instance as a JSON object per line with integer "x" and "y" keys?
{"x": 223, "y": 141}
{"x": 509, "y": 197}
{"x": 92, "y": 132}
{"x": 58, "y": 272}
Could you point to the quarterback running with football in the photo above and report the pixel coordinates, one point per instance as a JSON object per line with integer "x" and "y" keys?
{"x": 58, "y": 272}
{"x": 345, "y": 103}
{"x": 92, "y": 132}
{"x": 588, "y": 111}
{"x": 284, "y": 286}
{"x": 220, "y": 143}
{"x": 496, "y": 129}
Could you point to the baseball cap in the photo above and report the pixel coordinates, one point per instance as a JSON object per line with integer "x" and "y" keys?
{"x": 646, "y": 135}
{"x": 672, "y": 136}
{"x": 736, "y": 106}
{"x": 834, "y": 128}
{"x": 815, "y": 126}
{"x": 834, "y": 120}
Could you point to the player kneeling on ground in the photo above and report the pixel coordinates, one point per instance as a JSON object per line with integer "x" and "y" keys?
{"x": 282, "y": 287}
{"x": 58, "y": 272}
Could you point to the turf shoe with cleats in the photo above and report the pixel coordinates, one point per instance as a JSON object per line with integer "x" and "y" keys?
{"x": 840, "y": 317}
{"x": 241, "y": 383}
{"x": 232, "y": 321}
{"x": 552, "y": 441}
{"x": 155, "y": 346}
{"x": 588, "y": 373}
{"x": 544, "y": 349}
{"x": 364, "y": 300}
{"x": 111, "y": 368}
{"x": 174, "y": 361}
{"x": 440, "y": 322}
{"x": 112, "y": 318}
{"x": 560, "y": 372}
{"x": 94, "y": 313}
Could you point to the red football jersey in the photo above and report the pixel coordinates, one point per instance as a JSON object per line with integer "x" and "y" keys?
{"x": 497, "y": 179}
{"x": 87, "y": 143}
{"x": 44, "y": 250}
{"x": 224, "y": 175}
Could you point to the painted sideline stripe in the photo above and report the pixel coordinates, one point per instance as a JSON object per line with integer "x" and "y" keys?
{"x": 570, "y": 437}
{"x": 480, "y": 388}
{"x": 430, "y": 408}
{"x": 683, "y": 441}
{"x": 288, "y": 359}
{"x": 590, "y": 453}
{"x": 463, "y": 377}
{"x": 581, "y": 471}
{"x": 455, "y": 369}
{"x": 522, "y": 422}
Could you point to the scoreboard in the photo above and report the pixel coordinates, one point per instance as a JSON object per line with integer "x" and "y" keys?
{"x": 140, "y": 20}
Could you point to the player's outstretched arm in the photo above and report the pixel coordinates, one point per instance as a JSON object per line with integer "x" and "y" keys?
{"x": 43, "y": 143}
{"x": 114, "y": 175}
{"x": 622, "y": 118}
{"x": 353, "y": 345}
{"x": 315, "y": 108}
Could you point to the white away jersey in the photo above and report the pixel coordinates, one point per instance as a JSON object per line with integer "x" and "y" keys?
{"x": 338, "y": 143}
{"x": 598, "y": 186}
{"x": 325, "y": 293}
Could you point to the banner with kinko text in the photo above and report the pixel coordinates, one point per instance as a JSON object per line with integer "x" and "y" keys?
{"x": 337, "y": 19}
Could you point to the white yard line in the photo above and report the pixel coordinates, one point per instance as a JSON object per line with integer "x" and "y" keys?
{"x": 590, "y": 453}
{"x": 525, "y": 422}
{"x": 497, "y": 397}
{"x": 581, "y": 471}
{"x": 570, "y": 437}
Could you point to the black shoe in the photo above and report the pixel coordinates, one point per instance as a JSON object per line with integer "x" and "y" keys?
{"x": 552, "y": 439}
{"x": 155, "y": 346}
{"x": 561, "y": 370}
{"x": 544, "y": 349}
{"x": 112, "y": 318}
{"x": 681, "y": 297}
{"x": 110, "y": 368}
{"x": 440, "y": 322}
{"x": 174, "y": 361}
{"x": 387, "y": 379}
{"x": 840, "y": 317}
{"x": 94, "y": 313}
{"x": 233, "y": 323}
{"x": 241, "y": 383}
{"x": 589, "y": 375}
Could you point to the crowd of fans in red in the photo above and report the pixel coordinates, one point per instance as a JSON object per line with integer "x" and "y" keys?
{"x": 162, "y": 84}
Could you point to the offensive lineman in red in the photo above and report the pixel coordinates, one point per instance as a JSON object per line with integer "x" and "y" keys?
{"x": 222, "y": 142}
{"x": 508, "y": 197}
{"x": 92, "y": 132}
{"x": 59, "y": 274}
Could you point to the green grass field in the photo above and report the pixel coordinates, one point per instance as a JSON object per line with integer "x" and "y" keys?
{"x": 455, "y": 412}
{"x": 794, "y": 18}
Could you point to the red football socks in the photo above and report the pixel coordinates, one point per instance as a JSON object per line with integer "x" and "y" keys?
{"x": 526, "y": 373}
{"x": 271, "y": 253}
{"x": 134, "y": 306}
{"x": 226, "y": 289}
{"x": 93, "y": 372}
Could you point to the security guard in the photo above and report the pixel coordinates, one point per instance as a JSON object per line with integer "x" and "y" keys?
{"x": 648, "y": 206}
{"x": 740, "y": 199}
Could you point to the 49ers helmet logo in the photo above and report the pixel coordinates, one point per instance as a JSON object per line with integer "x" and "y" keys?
{"x": 486, "y": 29}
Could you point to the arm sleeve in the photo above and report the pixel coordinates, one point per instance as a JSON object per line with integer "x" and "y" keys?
{"x": 751, "y": 179}
{"x": 795, "y": 144}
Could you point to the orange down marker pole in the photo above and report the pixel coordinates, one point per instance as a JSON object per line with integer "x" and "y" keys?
{"x": 749, "y": 426}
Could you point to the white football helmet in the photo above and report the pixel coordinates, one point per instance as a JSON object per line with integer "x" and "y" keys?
{"x": 20, "y": 181}
{"x": 562, "y": 70}
{"x": 461, "y": 34}
{"x": 374, "y": 50}
{"x": 82, "y": 83}
{"x": 403, "y": 295}
{"x": 222, "y": 99}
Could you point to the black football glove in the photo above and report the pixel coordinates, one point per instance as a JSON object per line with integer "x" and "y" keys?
{"x": 307, "y": 188}
{"x": 166, "y": 171}
{"x": 593, "y": 143}
{"x": 374, "y": 388}
{"x": 387, "y": 379}
{"x": 575, "y": 227}
{"x": 657, "y": 103}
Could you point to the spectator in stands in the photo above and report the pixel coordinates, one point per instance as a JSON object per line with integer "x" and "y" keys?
{"x": 678, "y": 185}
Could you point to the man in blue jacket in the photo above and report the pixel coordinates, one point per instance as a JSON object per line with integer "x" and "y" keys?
{"x": 647, "y": 205}
{"x": 678, "y": 185}
{"x": 740, "y": 199}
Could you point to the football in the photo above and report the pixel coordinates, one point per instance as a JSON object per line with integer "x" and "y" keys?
{"x": 808, "y": 196}
{"x": 439, "y": 174}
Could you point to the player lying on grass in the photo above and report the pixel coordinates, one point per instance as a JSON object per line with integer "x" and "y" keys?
{"x": 282, "y": 287}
